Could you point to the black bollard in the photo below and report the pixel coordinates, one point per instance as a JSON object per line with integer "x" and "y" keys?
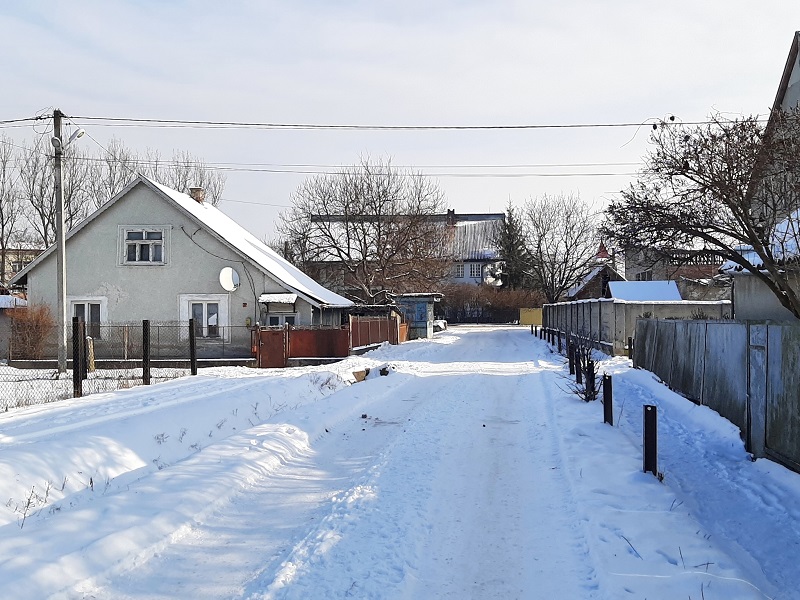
{"x": 591, "y": 392}
{"x": 571, "y": 357}
{"x": 650, "y": 441}
{"x": 608, "y": 412}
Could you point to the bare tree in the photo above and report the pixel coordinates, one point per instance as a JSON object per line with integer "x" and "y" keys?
{"x": 731, "y": 186}
{"x": 36, "y": 188}
{"x": 372, "y": 227}
{"x": 77, "y": 191}
{"x": 9, "y": 203}
{"x": 112, "y": 172}
{"x": 90, "y": 181}
{"x": 185, "y": 171}
{"x": 562, "y": 242}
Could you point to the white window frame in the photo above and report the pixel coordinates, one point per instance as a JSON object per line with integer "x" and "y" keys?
{"x": 101, "y": 300}
{"x": 185, "y": 302}
{"x": 476, "y": 270}
{"x": 123, "y": 245}
{"x": 281, "y": 319}
{"x": 459, "y": 271}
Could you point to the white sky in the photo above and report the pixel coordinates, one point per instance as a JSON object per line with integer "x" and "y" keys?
{"x": 395, "y": 63}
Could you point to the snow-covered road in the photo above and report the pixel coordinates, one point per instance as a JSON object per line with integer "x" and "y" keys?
{"x": 469, "y": 471}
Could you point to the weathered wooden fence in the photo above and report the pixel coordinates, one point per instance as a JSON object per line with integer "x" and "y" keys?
{"x": 608, "y": 323}
{"x": 746, "y": 371}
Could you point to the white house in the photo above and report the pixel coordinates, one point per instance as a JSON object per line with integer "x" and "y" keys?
{"x": 475, "y": 252}
{"x": 154, "y": 253}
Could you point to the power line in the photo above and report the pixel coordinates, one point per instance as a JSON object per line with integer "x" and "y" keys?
{"x": 256, "y": 203}
{"x": 23, "y": 120}
{"x": 183, "y": 123}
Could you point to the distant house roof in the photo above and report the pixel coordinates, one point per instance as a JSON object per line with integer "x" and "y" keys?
{"x": 589, "y": 277}
{"x": 789, "y": 87}
{"x": 475, "y": 239}
{"x": 229, "y": 232}
{"x": 645, "y": 291}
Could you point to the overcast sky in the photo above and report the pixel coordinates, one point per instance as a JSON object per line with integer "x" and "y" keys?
{"x": 395, "y": 63}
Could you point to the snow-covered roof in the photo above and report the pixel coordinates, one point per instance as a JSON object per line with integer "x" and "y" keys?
{"x": 575, "y": 289}
{"x": 474, "y": 240}
{"x": 12, "y": 302}
{"x": 278, "y": 298}
{"x": 256, "y": 250}
{"x": 644, "y": 291}
{"x": 584, "y": 281}
{"x": 229, "y": 232}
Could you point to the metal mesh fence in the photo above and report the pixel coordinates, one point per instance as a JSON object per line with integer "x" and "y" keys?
{"x": 110, "y": 357}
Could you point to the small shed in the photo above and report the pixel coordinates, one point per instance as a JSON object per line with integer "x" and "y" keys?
{"x": 418, "y": 312}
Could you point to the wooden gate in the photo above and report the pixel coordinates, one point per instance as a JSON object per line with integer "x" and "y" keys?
{"x": 271, "y": 352}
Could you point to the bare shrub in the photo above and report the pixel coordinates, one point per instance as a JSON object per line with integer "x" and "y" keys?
{"x": 31, "y": 328}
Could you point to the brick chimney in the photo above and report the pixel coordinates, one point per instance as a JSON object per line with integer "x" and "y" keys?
{"x": 198, "y": 194}
{"x": 451, "y": 217}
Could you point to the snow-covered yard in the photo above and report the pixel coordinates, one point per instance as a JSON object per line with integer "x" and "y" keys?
{"x": 469, "y": 471}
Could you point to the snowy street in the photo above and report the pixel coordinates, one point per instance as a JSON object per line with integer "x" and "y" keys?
{"x": 469, "y": 471}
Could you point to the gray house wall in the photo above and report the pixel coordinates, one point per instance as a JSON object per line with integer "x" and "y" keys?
{"x": 128, "y": 293}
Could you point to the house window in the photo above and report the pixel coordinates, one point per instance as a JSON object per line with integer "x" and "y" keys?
{"x": 475, "y": 270}
{"x": 206, "y": 318}
{"x": 645, "y": 275}
{"x": 143, "y": 246}
{"x": 459, "y": 271}
{"x": 281, "y": 320}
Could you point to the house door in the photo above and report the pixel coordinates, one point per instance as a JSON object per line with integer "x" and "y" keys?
{"x": 206, "y": 318}
{"x": 89, "y": 313}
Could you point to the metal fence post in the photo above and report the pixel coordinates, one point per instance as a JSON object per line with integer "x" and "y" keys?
{"x": 77, "y": 382}
{"x": 608, "y": 411}
{"x": 559, "y": 342}
{"x": 145, "y": 352}
{"x": 650, "y": 441}
{"x": 591, "y": 392}
{"x": 630, "y": 348}
{"x": 579, "y": 366}
{"x": 84, "y": 356}
{"x": 192, "y": 348}
{"x": 571, "y": 356}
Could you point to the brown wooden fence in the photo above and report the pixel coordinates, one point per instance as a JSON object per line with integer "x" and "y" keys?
{"x": 274, "y": 346}
{"x": 366, "y": 331}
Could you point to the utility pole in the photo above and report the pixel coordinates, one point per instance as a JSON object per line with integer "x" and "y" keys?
{"x": 61, "y": 262}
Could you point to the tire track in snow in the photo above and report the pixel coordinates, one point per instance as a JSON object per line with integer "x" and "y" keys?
{"x": 449, "y": 507}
